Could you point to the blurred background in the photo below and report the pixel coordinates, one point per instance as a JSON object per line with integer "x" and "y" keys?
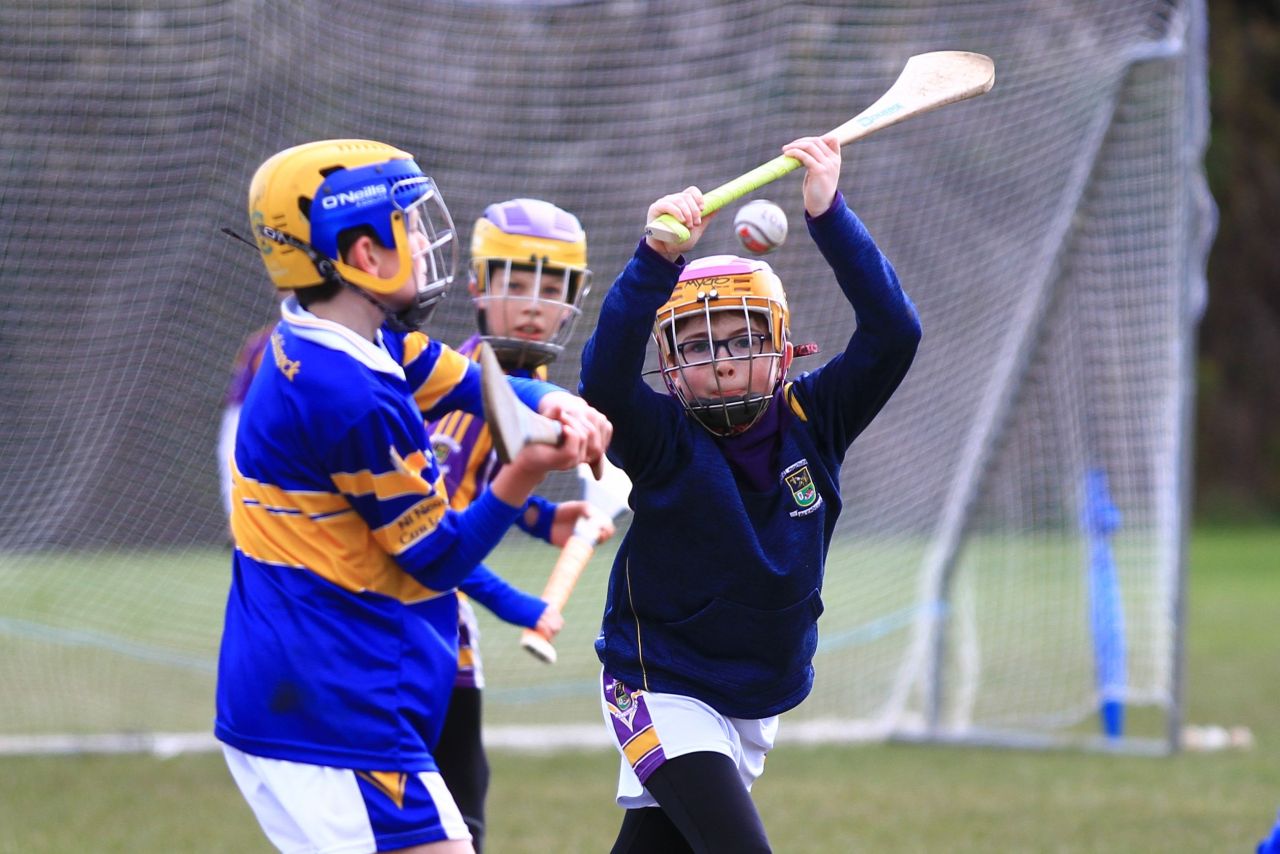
{"x": 1071, "y": 505}
{"x": 1237, "y": 433}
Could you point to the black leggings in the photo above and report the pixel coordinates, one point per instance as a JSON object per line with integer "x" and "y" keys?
{"x": 704, "y": 809}
{"x": 462, "y": 761}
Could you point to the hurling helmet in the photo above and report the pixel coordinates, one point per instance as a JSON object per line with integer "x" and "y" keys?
{"x": 548, "y": 244}
{"x": 303, "y": 198}
{"x": 724, "y": 283}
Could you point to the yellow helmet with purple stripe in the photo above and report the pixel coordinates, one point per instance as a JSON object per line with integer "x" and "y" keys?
{"x": 528, "y": 317}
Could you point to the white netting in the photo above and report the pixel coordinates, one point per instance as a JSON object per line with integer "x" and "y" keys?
{"x": 1052, "y": 233}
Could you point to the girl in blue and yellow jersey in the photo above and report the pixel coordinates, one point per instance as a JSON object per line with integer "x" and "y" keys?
{"x": 528, "y": 279}
{"x": 339, "y": 645}
{"x": 710, "y": 622}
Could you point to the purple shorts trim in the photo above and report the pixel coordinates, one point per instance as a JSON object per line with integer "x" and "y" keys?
{"x": 633, "y": 727}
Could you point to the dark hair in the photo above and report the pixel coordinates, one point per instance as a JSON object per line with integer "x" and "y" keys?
{"x": 327, "y": 290}
{"x": 318, "y": 293}
{"x": 348, "y": 236}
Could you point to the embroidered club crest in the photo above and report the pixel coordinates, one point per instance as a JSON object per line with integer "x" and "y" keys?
{"x": 803, "y": 490}
{"x": 623, "y": 703}
{"x": 621, "y": 697}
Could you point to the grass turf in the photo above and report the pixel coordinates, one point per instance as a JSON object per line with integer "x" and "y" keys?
{"x": 814, "y": 799}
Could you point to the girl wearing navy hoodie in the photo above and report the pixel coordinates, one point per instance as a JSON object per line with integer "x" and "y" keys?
{"x": 710, "y": 622}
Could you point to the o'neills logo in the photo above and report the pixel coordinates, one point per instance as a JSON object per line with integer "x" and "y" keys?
{"x": 354, "y": 197}
{"x": 868, "y": 121}
{"x": 803, "y": 491}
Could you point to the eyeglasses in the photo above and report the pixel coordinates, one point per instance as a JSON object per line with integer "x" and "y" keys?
{"x": 737, "y": 347}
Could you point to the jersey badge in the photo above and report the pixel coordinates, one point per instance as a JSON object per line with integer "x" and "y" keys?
{"x": 803, "y": 490}
{"x": 621, "y": 701}
{"x": 443, "y": 446}
{"x": 288, "y": 367}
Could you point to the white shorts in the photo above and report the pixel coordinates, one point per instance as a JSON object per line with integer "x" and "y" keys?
{"x": 322, "y": 810}
{"x": 649, "y": 728}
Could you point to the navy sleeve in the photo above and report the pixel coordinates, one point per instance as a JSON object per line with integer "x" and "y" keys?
{"x": 613, "y": 363}
{"x": 507, "y": 603}
{"x": 844, "y": 395}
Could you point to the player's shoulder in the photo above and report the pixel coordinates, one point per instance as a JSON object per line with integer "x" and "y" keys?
{"x": 793, "y": 398}
{"x": 258, "y": 338}
{"x": 254, "y": 344}
{"x": 328, "y": 378}
{"x": 470, "y": 348}
{"x": 419, "y": 349}
{"x": 813, "y": 399}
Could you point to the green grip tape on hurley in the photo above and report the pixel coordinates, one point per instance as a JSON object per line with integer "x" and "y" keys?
{"x": 725, "y": 193}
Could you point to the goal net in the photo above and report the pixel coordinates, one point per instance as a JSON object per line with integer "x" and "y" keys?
{"x": 1008, "y": 567}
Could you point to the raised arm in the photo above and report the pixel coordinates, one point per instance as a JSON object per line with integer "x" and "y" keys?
{"x": 613, "y": 359}
{"x": 855, "y": 385}
{"x": 507, "y": 602}
{"x": 851, "y": 388}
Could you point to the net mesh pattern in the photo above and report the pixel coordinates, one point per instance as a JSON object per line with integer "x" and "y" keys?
{"x": 1052, "y": 233}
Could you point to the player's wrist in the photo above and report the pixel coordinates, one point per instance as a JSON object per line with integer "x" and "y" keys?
{"x": 836, "y": 202}
{"x": 670, "y": 255}
{"x": 552, "y": 402}
{"x": 516, "y": 481}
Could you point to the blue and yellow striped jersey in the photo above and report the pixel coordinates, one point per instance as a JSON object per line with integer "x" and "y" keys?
{"x": 339, "y": 644}
{"x": 464, "y": 451}
{"x": 462, "y": 444}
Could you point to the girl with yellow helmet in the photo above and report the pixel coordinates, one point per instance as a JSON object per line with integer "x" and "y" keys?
{"x": 710, "y": 621}
{"x": 528, "y": 280}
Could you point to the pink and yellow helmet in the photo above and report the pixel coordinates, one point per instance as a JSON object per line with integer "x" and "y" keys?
{"x": 720, "y": 283}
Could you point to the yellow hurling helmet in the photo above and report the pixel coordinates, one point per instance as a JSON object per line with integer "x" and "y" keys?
{"x": 303, "y": 198}
{"x": 539, "y": 308}
{"x": 724, "y": 283}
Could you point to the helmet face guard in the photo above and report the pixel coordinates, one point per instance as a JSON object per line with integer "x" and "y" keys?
{"x": 753, "y": 352}
{"x": 530, "y": 277}
{"x": 303, "y": 199}
{"x": 710, "y": 288}
{"x": 432, "y": 249}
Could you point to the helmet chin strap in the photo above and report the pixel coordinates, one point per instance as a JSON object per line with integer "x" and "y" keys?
{"x": 405, "y": 320}
{"x": 408, "y": 319}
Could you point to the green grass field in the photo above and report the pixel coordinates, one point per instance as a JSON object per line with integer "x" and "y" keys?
{"x": 814, "y": 799}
